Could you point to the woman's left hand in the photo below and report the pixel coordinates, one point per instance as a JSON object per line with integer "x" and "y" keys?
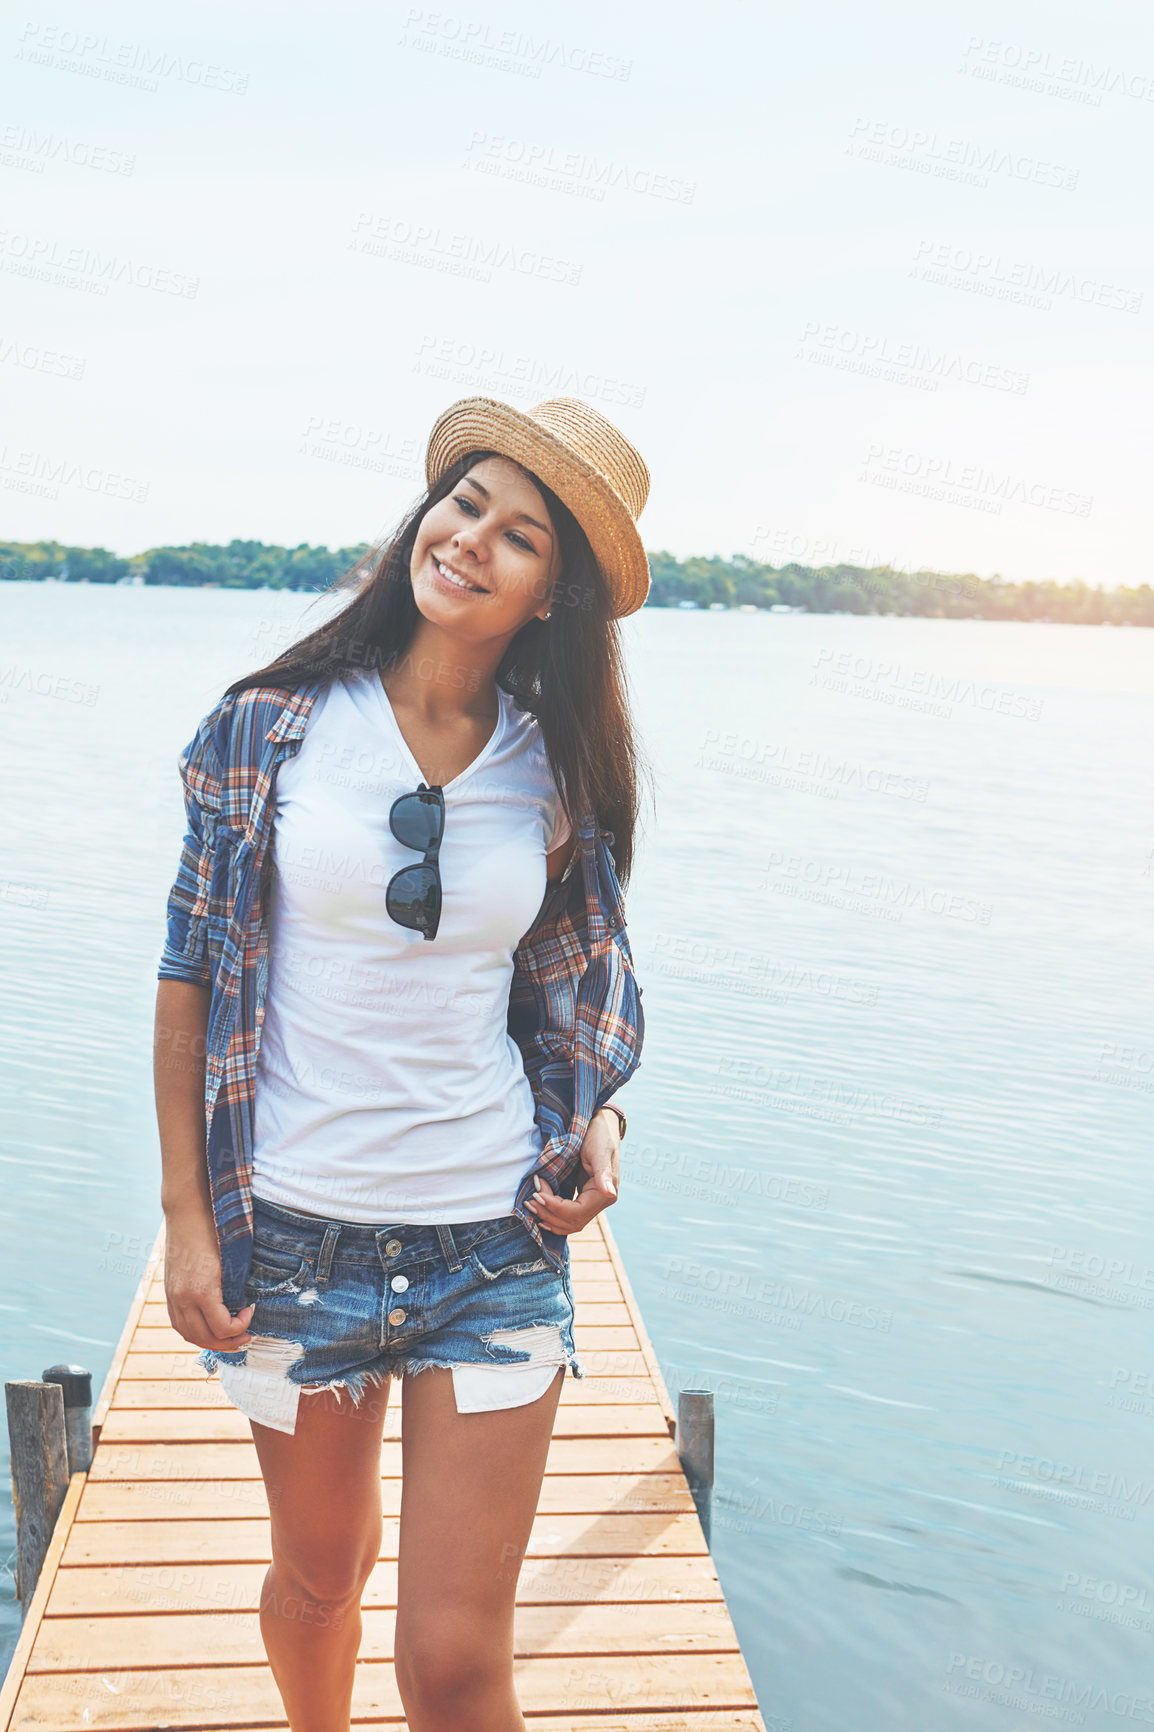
{"x": 600, "y": 1156}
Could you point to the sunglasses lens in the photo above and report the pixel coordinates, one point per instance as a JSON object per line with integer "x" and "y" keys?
{"x": 413, "y": 898}
{"x": 417, "y": 820}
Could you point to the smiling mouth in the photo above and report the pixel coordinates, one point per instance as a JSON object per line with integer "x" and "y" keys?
{"x": 455, "y": 578}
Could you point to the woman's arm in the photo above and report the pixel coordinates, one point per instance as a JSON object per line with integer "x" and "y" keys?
{"x": 192, "y": 1255}
{"x": 601, "y": 1159}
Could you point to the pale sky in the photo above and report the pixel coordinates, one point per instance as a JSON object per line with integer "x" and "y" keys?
{"x": 861, "y": 283}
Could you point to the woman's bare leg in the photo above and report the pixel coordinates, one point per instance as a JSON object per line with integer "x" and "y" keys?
{"x": 324, "y": 1489}
{"x": 470, "y": 1488}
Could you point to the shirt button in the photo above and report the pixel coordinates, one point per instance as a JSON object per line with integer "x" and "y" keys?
{"x": 396, "y": 1316}
{"x": 399, "y": 1283}
{"x": 393, "y": 1248}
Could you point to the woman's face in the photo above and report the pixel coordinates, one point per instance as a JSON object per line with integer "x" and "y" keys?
{"x": 486, "y": 557}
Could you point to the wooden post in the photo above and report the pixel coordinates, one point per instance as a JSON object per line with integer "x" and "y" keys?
{"x": 39, "y": 1474}
{"x": 695, "y": 1448}
{"x": 76, "y": 1386}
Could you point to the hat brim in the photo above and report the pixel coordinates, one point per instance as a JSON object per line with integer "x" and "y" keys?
{"x": 484, "y": 424}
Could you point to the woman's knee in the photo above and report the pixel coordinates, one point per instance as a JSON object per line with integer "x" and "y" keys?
{"x": 441, "y": 1670}
{"x": 324, "y": 1493}
{"x": 324, "y": 1574}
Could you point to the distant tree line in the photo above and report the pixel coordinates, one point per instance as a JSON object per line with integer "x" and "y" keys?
{"x": 742, "y": 582}
{"x": 699, "y": 582}
{"x": 240, "y": 565}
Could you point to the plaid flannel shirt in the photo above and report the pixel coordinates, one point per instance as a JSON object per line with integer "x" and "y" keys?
{"x": 574, "y": 1003}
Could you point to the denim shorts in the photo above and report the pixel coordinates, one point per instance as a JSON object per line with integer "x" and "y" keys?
{"x": 342, "y": 1305}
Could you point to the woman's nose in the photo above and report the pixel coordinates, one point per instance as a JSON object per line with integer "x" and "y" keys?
{"x": 467, "y": 540}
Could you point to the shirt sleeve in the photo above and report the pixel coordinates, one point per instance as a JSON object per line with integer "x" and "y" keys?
{"x": 562, "y": 829}
{"x": 185, "y": 954}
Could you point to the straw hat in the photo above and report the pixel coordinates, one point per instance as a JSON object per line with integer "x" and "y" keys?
{"x": 585, "y": 459}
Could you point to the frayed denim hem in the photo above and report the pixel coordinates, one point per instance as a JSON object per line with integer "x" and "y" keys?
{"x": 357, "y": 1381}
{"x": 211, "y": 1362}
{"x": 410, "y": 1367}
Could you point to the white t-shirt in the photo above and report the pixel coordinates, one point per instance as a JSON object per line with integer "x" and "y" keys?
{"x": 388, "y": 1089}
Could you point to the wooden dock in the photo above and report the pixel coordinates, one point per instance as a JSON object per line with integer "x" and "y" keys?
{"x": 145, "y": 1615}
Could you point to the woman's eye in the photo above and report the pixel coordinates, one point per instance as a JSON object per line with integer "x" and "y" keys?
{"x": 470, "y": 506}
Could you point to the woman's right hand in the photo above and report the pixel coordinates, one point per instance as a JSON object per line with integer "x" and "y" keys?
{"x": 192, "y": 1285}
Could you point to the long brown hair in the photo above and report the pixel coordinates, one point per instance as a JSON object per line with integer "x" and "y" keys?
{"x": 567, "y": 672}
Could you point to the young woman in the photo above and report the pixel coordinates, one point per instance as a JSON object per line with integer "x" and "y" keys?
{"x": 395, "y": 1000}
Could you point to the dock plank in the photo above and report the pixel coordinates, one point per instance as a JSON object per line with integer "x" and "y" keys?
{"x": 238, "y": 1460}
{"x": 203, "y": 1424}
{"x": 224, "y": 1500}
{"x": 167, "y": 1639}
{"x": 223, "y": 1697}
{"x": 179, "y": 1540}
{"x": 113, "y": 1591}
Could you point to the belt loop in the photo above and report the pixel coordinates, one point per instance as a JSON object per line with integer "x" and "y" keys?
{"x": 328, "y": 1252}
{"x": 449, "y": 1247}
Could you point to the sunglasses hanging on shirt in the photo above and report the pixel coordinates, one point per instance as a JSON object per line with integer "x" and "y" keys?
{"x": 413, "y": 895}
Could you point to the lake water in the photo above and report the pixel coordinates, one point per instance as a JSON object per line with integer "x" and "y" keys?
{"x": 886, "y": 1185}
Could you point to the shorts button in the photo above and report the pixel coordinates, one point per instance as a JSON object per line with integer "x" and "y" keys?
{"x": 399, "y": 1283}
{"x": 393, "y": 1248}
{"x": 396, "y": 1316}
